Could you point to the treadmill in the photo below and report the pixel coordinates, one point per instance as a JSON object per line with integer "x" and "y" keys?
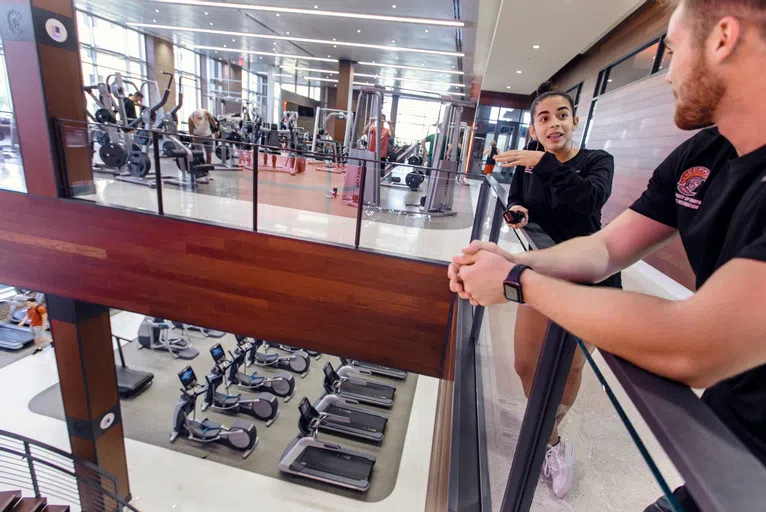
{"x": 374, "y": 369}
{"x": 308, "y": 457}
{"x": 361, "y": 390}
{"x": 13, "y": 337}
{"x": 130, "y": 382}
{"x": 340, "y": 418}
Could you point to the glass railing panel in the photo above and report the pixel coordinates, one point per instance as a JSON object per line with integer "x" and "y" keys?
{"x": 300, "y": 195}
{"x": 11, "y": 165}
{"x": 418, "y": 212}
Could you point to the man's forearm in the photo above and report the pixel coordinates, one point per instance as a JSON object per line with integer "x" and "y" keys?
{"x": 580, "y": 260}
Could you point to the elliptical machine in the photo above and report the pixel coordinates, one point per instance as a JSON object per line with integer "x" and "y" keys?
{"x": 264, "y": 407}
{"x": 297, "y": 362}
{"x": 282, "y": 384}
{"x": 241, "y": 435}
{"x": 154, "y": 334}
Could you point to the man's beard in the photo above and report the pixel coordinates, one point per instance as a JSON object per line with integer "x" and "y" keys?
{"x": 702, "y": 93}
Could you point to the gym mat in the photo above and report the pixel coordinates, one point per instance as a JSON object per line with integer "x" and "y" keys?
{"x": 148, "y": 418}
{"x": 11, "y": 356}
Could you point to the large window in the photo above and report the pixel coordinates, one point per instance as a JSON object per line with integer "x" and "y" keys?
{"x": 188, "y": 68}
{"x": 11, "y": 168}
{"x": 415, "y": 119}
{"x": 107, "y": 48}
{"x": 635, "y": 67}
{"x": 574, "y": 93}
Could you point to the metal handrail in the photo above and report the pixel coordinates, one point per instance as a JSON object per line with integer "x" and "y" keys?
{"x": 697, "y": 442}
{"x": 58, "y": 473}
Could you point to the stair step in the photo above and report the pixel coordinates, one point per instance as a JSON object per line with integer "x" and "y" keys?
{"x": 8, "y": 499}
{"x": 30, "y": 505}
{"x": 57, "y": 508}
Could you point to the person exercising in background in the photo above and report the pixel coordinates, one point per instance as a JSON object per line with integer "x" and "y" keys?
{"x": 203, "y": 124}
{"x": 712, "y": 192}
{"x": 386, "y": 131}
{"x": 130, "y": 102}
{"x": 38, "y": 318}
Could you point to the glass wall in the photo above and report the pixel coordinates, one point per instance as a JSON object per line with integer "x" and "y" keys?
{"x": 633, "y": 68}
{"x": 11, "y": 168}
{"x": 187, "y": 65}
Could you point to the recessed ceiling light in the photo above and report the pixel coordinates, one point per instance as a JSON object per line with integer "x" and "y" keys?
{"x": 205, "y": 13}
{"x": 277, "y": 15}
{"x": 393, "y": 7}
{"x": 397, "y": 58}
{"x": 154, "y": 21}
{"x": 288, "y": 33}
{"x": 299, "y": 39}
{"x": 216, "y": 51}
{"x": 258, "y": 57}
{"x": 316, "y": 7}
{"x": 329, "y": 56}
{"x": 333, "y": 39}
{"x": 609, "y": 80}
{"x": 275, "y": 43}
{"x": 335, "y": 46}
{"x": 224, "y": 46}
{"x": 426, "y": 30}
{"x": 518, "y": 71}
{"x": 358, "y": 31}
{"x": 157, "y": 11}
{"x": 507, "y": 86}
{"x": 536, "y": 47}
{"x": 453, "y": 67}
{"x": 316, "y": 12}
{"x": 211, "y": 23}
{"x": 233, "y": 40}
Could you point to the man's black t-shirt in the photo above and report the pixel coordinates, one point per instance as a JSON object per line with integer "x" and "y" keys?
{"x": 565, "y": 200}
{"x": 718, "y": 203}
{"x": 130, "y": 108}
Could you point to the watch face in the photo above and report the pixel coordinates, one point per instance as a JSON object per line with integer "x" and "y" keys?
{"x": 511, "y": 293}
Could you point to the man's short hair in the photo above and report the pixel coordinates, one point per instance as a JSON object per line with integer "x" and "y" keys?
{"x": 138, "y": 94}
{"x": 706, "y": 13}
{"x": 32, "y": 300}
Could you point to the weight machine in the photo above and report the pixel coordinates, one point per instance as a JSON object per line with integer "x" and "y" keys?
{"x": 441, "y": 186}
{"x": 369, "y": 106}
{"x": 323, "y": 143}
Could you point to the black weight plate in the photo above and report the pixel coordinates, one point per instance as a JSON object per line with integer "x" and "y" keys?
{"x": 104, "y": 116}
{"x": 168, "y": 147}
{"x": 415, "y": 160}
{"x": 113, "y": 155}
{"x": 139, "y": 164}
{"x": 222, "y": 152}
{"x": 414, "y": 180}
{"x": 136, "y": 147}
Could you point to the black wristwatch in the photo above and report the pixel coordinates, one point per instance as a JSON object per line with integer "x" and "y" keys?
{"x": 512, "y": 284}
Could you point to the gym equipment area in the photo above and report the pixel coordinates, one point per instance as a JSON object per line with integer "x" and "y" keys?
{"x": 229, "y": 406}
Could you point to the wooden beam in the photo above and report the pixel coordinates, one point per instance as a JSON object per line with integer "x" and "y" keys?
{"x": 336, "y": 300}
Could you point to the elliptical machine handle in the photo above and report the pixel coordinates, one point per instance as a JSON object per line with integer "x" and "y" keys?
{"x": 165, "y": 95}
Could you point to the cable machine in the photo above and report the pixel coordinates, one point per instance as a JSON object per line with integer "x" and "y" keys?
{"x": 369, "y": 106}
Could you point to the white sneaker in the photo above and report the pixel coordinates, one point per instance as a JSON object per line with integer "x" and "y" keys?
{"x": 559, "y": 467}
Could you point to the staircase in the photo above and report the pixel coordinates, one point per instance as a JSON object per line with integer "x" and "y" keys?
{"x": 11, "y": 501}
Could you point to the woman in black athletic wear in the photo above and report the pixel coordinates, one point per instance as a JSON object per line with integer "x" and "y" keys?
{"x": 562, "y": 188}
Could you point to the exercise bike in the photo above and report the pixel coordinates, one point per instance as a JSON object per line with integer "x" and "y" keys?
{"x": 264, "y": 407}
{"x": 298, "y": 362}
{"x": 282, "y": 384}
{"x": 241, "y": 435}
{"x": 331, "y": 463}
{"x": 154, "y": 334}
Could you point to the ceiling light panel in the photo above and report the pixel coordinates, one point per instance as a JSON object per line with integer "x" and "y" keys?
{"x": 318, "y": 12}
{"x": 391, "y": 48}
{"x": 404, "y": 79}
{"x": 416, "y": 68}
{"x": 311, "y": 70}
{"x": 255, "y": 52}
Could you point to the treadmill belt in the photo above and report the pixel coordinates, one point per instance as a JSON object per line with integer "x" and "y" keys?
{"x": 373, "y": 390}
{"x": 360, "y": 421}
{"x": 335, "y": 463}
{"x": 15, "y": 335}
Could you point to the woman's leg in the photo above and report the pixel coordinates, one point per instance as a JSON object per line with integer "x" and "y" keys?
{"x": 528, "y": 341}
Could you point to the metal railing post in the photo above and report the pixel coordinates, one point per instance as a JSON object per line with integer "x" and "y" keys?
{"x": 158, "y": 173}
{"x": 255, "y": 188}
{"x": 481, "y": 204}
{"x": 32, "y": 473}
{"x": 547, "y": 389}
{"x": 360, "y": 209}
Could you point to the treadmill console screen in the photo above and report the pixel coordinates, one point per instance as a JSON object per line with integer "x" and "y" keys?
{"x": 217, "y": 352}
{"x": 188, "y": 378}
{"x": 329, "y": 371}
{"x": 305, "y": 407}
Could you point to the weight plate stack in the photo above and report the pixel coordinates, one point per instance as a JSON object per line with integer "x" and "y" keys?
{"x": 414, "y": 180}
{"x": 104, "y": 116}
{"x": 415, "y": 160}
{"x": 113, "y": 155}
{"x": 102, "y": 137}
{"x": 139, "y": 164}
{"x": 142, "y": 138}
{"x": 168, "y": 147}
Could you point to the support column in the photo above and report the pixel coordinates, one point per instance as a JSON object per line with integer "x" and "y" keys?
{"x": 42, "y": 57}
{"x": 85, "y": 361}
{"x": 394, "y": 108}
{"x": 345, "y": 96}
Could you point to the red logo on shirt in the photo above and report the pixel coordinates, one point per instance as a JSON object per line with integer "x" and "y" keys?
{"x": 692, "y": 179}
